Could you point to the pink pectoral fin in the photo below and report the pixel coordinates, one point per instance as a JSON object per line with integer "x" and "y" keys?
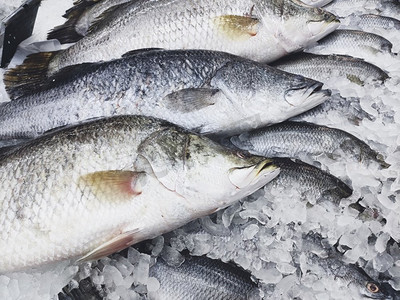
{"x": 116, "y": 244}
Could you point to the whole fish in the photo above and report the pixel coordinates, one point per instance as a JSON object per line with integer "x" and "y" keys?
{"x": 206, "y": 91}
{"x": 312, "y": 183}
{"x": 325, "y": 67}
{"x": 354, "y": 43}
{"x": 202, "y": 278}
{"x": 255, "y": 29}
{"x": 79, "y": 18}
{"x": 370, "y": 22}
{"x": 90, "y": 190}
{"x": 348, "y": 276}
{"x": 343, "y": 8}
{"x": 292, "y": 139}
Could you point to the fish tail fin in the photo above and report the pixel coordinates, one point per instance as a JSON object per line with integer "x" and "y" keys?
{"x": 29, "y": 76}
{"x": 242, "y": 141}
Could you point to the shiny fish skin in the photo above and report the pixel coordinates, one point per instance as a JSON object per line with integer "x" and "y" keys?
{"x": 352, "y": 42}
{"x": 202, "y": 24}
{"x": 371, "y": 21}
{"x": 312, "y": 183}
{"x": 349, "y": 276}
{"x": 293, "y": 139}
{"x": 323, "y": 67}
{"x": 389, "y": 8}
{"x": 202, "y": 278}
{"x": 316, "y": 3}
{"x": 146, "y": 83}
{"x": 99, "y": 187}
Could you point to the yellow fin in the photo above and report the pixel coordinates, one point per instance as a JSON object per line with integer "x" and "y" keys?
{"x": 116, "y": 244}
{"x": 237, "y": 27}
{"x": 113, "y": 184}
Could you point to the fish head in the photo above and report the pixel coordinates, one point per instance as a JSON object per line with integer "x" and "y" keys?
{"x": 370, "y": 289}
{"x": 294, "y": 24}
{"x": 264, "y": 95}
{"x": 194, "y": 166}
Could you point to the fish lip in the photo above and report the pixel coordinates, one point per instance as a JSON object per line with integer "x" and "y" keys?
{"x": 323, "y": 27}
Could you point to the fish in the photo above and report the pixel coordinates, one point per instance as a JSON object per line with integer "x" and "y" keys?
{"x": 355, "y": 43}
{"x": 295, "y": 139}
{"x": 255, "y": 29}
{"x": 202, "y": 278}
{"x": 324, "y": 262}
{"x": 205, "y": 91}
{"x": 316, "y": 3}
{"x": 343, "y": 8}
{"x": 325, "y": 67}
{"x": 86, "y": 191}
{"x": 313, "y": 184}
{"x": 79, "y": 18}
{"x": 370, "y": 22}
{"x": 348, "y": 276}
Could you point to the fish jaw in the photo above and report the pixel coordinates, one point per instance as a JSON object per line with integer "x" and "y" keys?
{"x": 303, "y": 98}
{"x": 320, "y": 29}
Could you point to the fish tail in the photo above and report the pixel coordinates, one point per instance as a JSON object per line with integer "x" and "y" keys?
{"x": 29, "y": 76}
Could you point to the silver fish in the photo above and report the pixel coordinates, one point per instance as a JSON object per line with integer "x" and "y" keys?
{"x": 316, "y": 3}
{"x": 255, "y": 29}
{"x": 122, "y": 180}
{"x": 312, "y": 183}
{"x": 202, "y": 278}
{"x": 206, "y": 91}
{"x": 354, "y": 43}
{"x": 324, "y": 67}
{"x": 291, "y": 139}
{"x": 348, "y": 276}
{"x": 343, "y": 8}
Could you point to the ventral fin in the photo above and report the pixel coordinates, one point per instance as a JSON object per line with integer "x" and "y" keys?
{"x": 237, "y": 27}
{"x": 191, "y": 99}
{"x": 114, "y": 185}
{"x": 116, "y": 244}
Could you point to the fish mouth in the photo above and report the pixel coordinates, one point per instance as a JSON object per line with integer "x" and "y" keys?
{"x": 324, "y": 26}
{"x": 256, "y": 175}
{"x": 306, "y": 95}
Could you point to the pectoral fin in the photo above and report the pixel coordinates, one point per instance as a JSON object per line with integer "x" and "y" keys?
{"x": 192, "y": 99}
{"x": 116, "y": 244}
{"x": 237, "y": 27}
{"x": 114, "y": 184}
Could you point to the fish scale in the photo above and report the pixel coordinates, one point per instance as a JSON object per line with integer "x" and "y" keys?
{"x": 90, "y": 190}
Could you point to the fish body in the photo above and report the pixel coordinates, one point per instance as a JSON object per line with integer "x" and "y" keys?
{"x": 324, "y": 67}
{"x": 294, "y": 139}
{"x": 348, "y": 276}
{"x": 354, "y": 43}
{"x": 87, "y": 191}
{"x": 202, "y": 278}
{"x": 255, "y": 29}
{"x": 370, "y": 21}
{"x": 205, "y": 91}
{"x": 343, "y": 8}
{"x": 312, "y": 183}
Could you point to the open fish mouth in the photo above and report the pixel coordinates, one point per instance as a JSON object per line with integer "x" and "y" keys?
{"x": 306, "y": 95}
{"x": 255, "y": 175}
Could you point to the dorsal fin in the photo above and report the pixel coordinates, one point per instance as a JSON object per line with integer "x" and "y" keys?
{"x": 99, "y": 21}
{"x": 140, "y": 51}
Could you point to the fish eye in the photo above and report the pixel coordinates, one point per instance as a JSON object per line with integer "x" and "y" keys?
{"x": 372, "y": 287}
